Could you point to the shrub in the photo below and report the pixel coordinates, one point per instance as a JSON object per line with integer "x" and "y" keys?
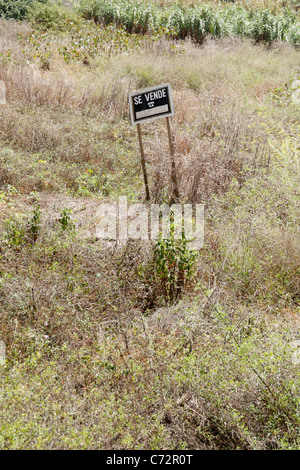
{"x": 14, "y": 233}
{"x": 17, "y": 9}
{"x": 35, "y": 221}
{"x": 65, "y": 220}
{"x": 51, "y": 16}
{"x": 174, "y": 263}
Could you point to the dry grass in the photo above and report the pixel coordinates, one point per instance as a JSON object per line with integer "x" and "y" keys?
{"x": 215, "y": 100}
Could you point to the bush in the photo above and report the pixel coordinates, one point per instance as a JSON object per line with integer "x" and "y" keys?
{"x": 17, "y": 9}
{"x": 174, "y": 263}
{"x": 50, "y": 15}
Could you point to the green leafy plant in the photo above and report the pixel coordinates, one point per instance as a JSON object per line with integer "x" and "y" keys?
{"x": 196, "y": 22}
{"x": 17, "y": 9}
{"x": 65, "y": 220}
{"x": 14, "y": 233}
{"x": 174, "y": 263}
{"x": 35, "y": 221}
{"x": 51, "y": 15}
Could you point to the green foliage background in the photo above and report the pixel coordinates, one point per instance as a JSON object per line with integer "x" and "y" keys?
{"x": 17, "y": 9}
{"x": 198, "y": 21}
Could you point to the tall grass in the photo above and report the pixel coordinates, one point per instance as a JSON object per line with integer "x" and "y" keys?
{"x": 197, "y": 22}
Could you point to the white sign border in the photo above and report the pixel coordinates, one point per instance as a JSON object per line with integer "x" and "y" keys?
{"x": 146, "y": 90}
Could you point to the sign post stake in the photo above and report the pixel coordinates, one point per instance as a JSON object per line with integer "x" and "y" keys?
{"x": 147, "y": 105}
{"x": 174, "y": 177}
{"x": 143, "y": 162}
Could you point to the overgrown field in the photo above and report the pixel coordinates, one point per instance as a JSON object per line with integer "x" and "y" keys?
{"x": 196, "y": 21}
{"x": 147, "y": 345}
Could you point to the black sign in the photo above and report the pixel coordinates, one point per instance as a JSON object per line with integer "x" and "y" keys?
{"x": 152, "y": 103}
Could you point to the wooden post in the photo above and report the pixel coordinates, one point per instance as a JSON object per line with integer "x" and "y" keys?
{"x": 143, "y": 162}
{"x": 174, "y": 177}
